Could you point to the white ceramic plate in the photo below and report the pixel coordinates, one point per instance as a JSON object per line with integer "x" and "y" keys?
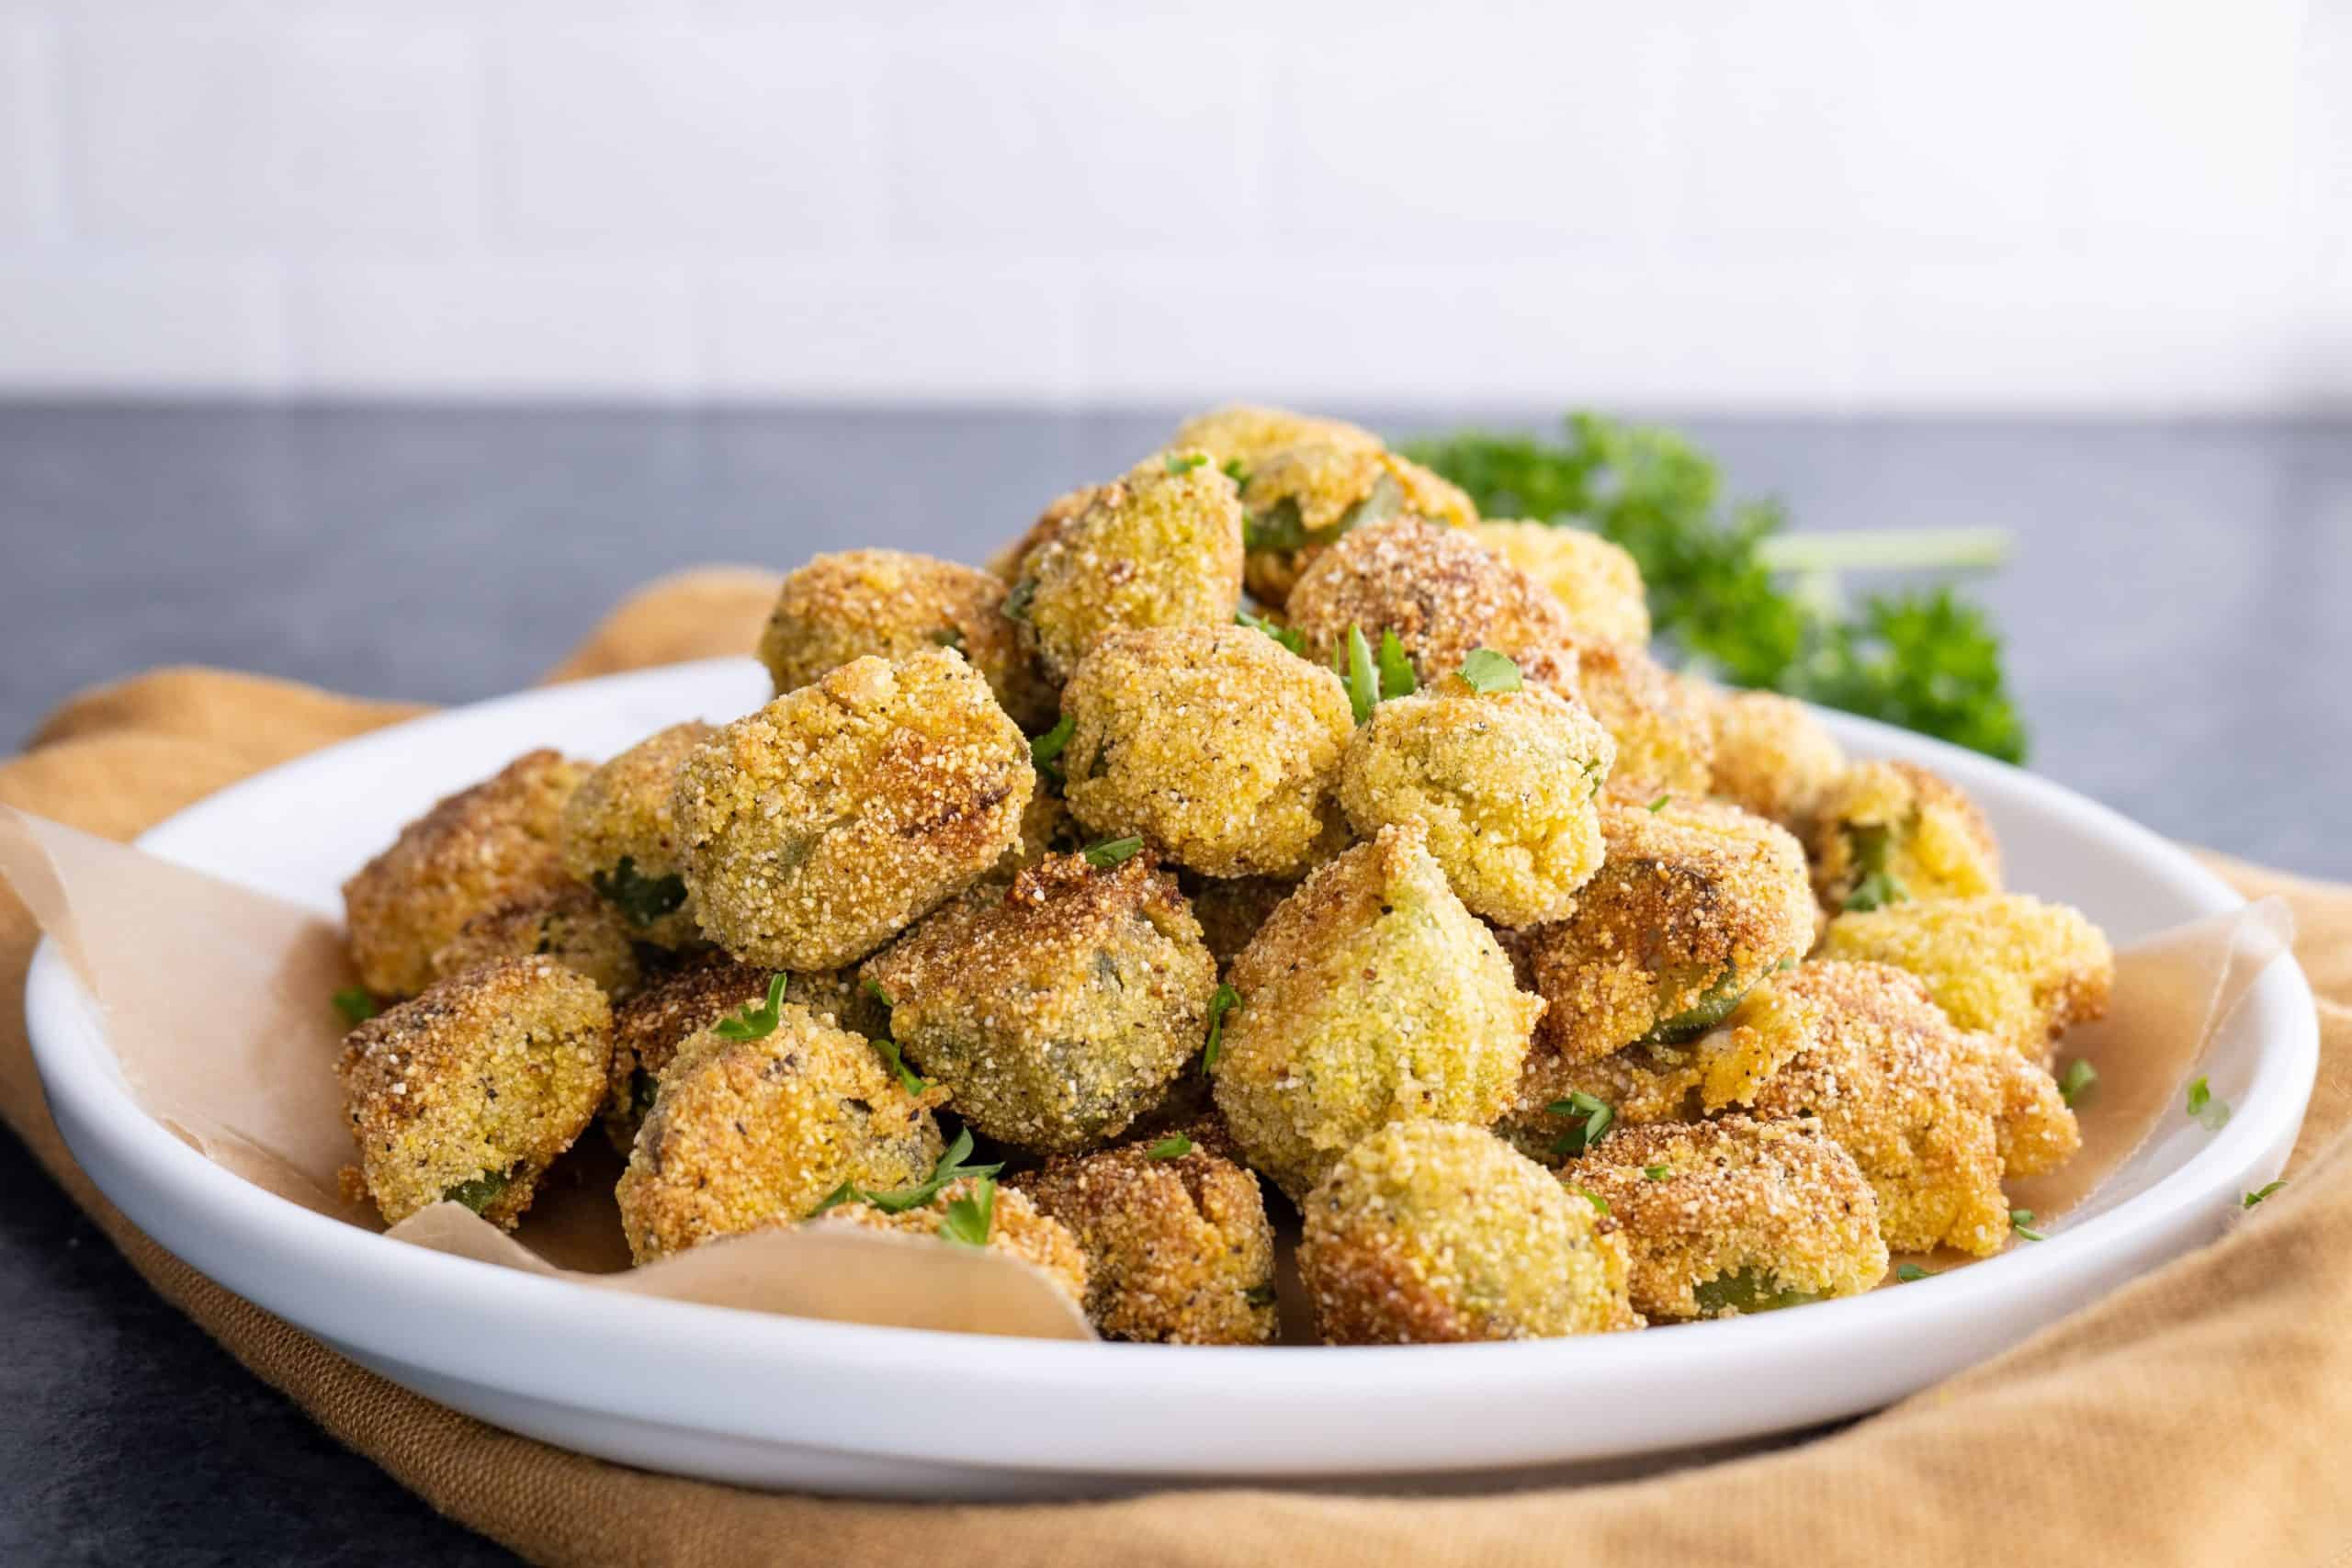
{"x": 777, "y": 1400}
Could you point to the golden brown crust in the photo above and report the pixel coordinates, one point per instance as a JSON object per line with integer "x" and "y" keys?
{"x": 1666, "y": 741}
{"x": 1247, "y": 435}
{"x": 1437, "y": 589}
{"x": 1371, "y": 996}
{"x": 477, "y": 849}
{"x": 673, "y": 1008}
{"x": 2004, "y": 962}
{"x": 744, "y": 1132}
{"x": 1005, "y": 565}
{"x": 1159, "y": 547}
{"x": 1700, "y": 1203}
{"x": 1016, "y": 1229}
{"x": 567, "y": 923}
{"x": 816, "y": 829}
{"x": 1695, "y": 903}
{"x": 1920, "y": 833}
{"x": 1179, "y": 1250}
{"x": 1057, "y": 1009}
{"x": 1773, "y": 756}
{"x": 1505, "y": 783}
{"x": 1214, "y": 743}
{"x": 1596, "y": 582}
{"x": 620, "y": 837}
{"x": 892, "y": 603}
{"x": 471, "y": 1090}
{"x": 1433, "y": 1232}
{"x": 1304, "y": 497}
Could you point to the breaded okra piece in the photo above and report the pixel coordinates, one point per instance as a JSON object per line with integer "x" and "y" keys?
{"x": 620, "y": 838}
{"x": 671, "y": 1009}
{"x": 819, "y": 827}
{"x": 1773, "y": 758}
{"x": 1301, "y": 500}
{"x": 1889, "y": 833}
{"x": 474, "y": 850}
{"x": 1431, "y": 1232}
{"x": 1056, "y": 1011}
{"x": 2010, "y": 965}
{"x": 748, "y": 1127}
{"x": 567, "y": 922}
{"x": 1695, "y": 903}
{"x": 1245, "y": 435}
{"x": 891, "y": 604}
{"x": 469, "y": 1092}
{"x": 1371, "y": 996}
{"x": 978, "y": 1212}
{"x": 1666, "y": 741}
{"x": 1213, "y": 744}
{"x": 1178, "y": 1247}
{"x": 1005, "y": 565}
{"x": 1159, "y": 547}
{"x": 1440, "y": 592}
{"x": 1595, "y": 581}
{"x": 1504, "y": 780}
{"x": 1735, "y": 1216}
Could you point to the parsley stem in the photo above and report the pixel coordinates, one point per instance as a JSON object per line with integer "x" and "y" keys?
{"x": 1887, "y": 550}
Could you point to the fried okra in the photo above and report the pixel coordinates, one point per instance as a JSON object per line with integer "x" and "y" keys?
{"x": 1371, "y": 996}
{"x": 648, "y": 1028}
{"x": 1505, "y": 783}
{"x": 1057, "y": 1010}
{"x": 1735, "y": 1216}
{"x": 1302, "y": 499}
{"x": 619, "y": 836}
{"x": 1917, "y": 1105}
{"x": 567, "y": 922}
{"x": 1431, "y": 1232}
{"x": 474, "y": 850}
{"x": 748, "y": 1127}
{"x": 1437, "y": 589}
{"x": 891, "y": 604}
{"x": 1666, "y": 741}
{"x": 1723, "y": 1069}
{"x": 1694, "y": 904}
{"x": 1595, "y": 581}
{"x": 819, "y": 827}
{"x": 1213, "y": 743}
{"x": 1160, "y": 547}
{"x": 1245, "y": 435}
{"x": 1232, "y": 908}
{"x": 469, "y": 1092}
{"x": 1889, "y": 832}
{"x": 1005, "y": 565}
{"x": 1773, "y": 756}
{"x": 976, "y": 1210}
{"x": 1178, "y": 1248}
{"x": 2010, "y": 965}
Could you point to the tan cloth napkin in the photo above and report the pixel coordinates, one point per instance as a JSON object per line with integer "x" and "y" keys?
{"x": 2202, "y": 1415}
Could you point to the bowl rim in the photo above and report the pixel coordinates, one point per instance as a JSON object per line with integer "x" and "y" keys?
{"x": 395, "y": 1299}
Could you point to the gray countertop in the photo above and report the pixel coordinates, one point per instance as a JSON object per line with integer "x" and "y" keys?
{"x": 2175, "y": 614}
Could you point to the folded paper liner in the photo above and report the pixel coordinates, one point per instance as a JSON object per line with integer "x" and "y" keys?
{"x": 2200, "y": 1414}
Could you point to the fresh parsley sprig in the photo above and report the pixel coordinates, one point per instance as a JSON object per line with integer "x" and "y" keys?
{"x": 950, "y": 1169}
{"x": 756, "y": 1021}
{"x": 2206, "y": 1111}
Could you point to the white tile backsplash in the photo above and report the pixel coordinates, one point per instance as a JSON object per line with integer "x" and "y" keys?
{"x": 1829, "y": 204}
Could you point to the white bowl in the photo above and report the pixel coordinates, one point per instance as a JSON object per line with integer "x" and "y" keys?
{"x": 777, "y": 1400}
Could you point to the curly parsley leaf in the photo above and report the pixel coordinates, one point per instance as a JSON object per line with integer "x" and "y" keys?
{"x": 1488, "y": 671}
{"x": 641, "y": 899}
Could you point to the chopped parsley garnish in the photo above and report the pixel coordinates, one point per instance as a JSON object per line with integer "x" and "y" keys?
{"x": 1657, "y": 1172}
{"x": 2206, "y": 1111}
{"x": 1600, "y": 1204}
{"x": 2079, "y": 1079}
{"x": 950, "y": 1169}
{"x": 1260, "y": 1295}
{"x": 1176, "y": 1145}
{"x": 1187, "y": 463}
{"x": 1397, "y": 678}
{"x": 1225, "y": 1001}
{"x": 967, "y": 1217}
{"x": 478, "y": 1193}
{"x": 1363, "y": 678}
{"x": 1906, "y": 1272}
{"x": 643, "y": 899}
{"x": 1045, "y": 748}
{"x": 1593, "y": 1117}
{"x": 755, "y": 1021}
{"x": 873, "y": 988}
{"x": 1111, "y": 851}
{"x": 1660, "y": 804}
{"x": 2021, "y": 1222}
{"x": 1488, "y": 671}
{"x": 1294, "y": 641}
{"x": 914, "y": 1082}
{"x": 2259, "y": 1193}
{"x": 356, "y": 1004}
{"x": 1235, "y": 472}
